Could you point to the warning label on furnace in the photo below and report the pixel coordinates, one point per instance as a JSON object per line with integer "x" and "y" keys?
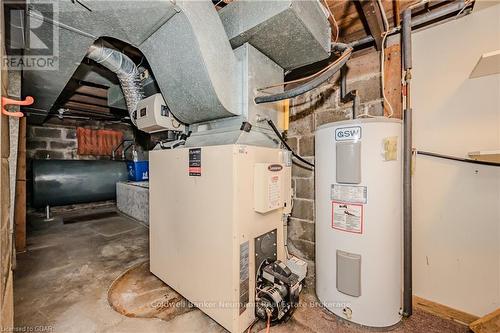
{"x": 348, "y": 193}
{"x": 347, "y": 217}
{"x": 195, "y": 162}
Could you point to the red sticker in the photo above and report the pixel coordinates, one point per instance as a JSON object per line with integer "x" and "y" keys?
{"x": 347, "y": 217}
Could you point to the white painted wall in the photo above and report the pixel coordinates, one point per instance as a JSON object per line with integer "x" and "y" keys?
{"x": 456, "y": 205}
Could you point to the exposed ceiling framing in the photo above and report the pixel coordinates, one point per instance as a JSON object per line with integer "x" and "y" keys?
{"x": 356, "y": 19}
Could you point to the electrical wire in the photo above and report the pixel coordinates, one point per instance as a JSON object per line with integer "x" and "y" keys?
{"x": 382, "y": 74}
{"x": 466, "y": 4}
{"x": 384, "y": 16}
{"x": 294, "y": 154}
{"x": 251, "y": 326}
{"x": 268, "y": 326}
{"x": 335, "y": 24}
{"x": 382, "y": 66}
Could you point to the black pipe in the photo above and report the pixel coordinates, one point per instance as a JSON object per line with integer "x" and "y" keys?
{"x": 458, "y": 159}
{"x": 294, "y": 154}
{"x": 417, "y": 21}
{"x": 310, "y": 85}
{"x": 407, "y": 181}
{"x": 351, "y": 96}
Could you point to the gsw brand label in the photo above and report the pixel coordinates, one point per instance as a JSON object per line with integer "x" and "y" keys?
{"x": 275, "y": 167}
{"x": 348, "y": 133}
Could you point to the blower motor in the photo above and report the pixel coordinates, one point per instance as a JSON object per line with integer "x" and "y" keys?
{"x": 277, "y": 293}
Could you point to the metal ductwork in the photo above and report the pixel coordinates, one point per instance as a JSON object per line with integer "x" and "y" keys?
{"x": 185, "y": 43}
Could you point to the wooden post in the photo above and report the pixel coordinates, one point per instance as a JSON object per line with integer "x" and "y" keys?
{"x": 20, "y": 197}
{"x": 373, "y": 17}
{"x": 392, "y": 74}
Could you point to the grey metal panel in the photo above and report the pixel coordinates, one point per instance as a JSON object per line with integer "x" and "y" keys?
{"x": 190, "y": 56}
{"x": 65, "y": 182}
{"x": 46, "y": 85}
{"x": 258, "y": 71}
{"x": 194, "y": 64}
{"x": 292, "y": 33}
{"x": 131, "y": 21}
{"x": 348, "y": 273}
{"x": 348, "y": 162}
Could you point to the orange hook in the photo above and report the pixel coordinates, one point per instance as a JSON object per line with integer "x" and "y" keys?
{"x": 5, "y": 101}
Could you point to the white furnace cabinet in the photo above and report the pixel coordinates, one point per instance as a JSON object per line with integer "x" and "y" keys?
{"x": 359, "y": 220}
{"x": 213, "y": 210}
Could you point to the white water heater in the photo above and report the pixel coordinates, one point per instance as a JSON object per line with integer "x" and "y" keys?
{"x": 359, "y": 220}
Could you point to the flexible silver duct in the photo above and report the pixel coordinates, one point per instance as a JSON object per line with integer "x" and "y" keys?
{"x": 126, "y": 71}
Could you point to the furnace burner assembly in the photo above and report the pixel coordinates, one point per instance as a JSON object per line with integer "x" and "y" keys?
{"x": 277, "y": 291}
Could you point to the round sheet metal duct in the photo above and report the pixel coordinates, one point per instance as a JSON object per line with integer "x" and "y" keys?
{"x": 66, "y": 182}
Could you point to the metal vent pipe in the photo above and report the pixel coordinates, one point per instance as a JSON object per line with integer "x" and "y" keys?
{"x": 126, "y": 71}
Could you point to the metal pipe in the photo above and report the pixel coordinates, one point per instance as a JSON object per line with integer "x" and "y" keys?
{"x": 407, "y": 181}
{"x": 458, "y": 159}
{"x": 113, "y": 153}
{"x": 313, "y": 83}
{"x": 347, "y": 97}
{"x": 406, "y": 39}
{"x": 417, "y": 21}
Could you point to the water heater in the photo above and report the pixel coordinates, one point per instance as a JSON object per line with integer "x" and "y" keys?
{"x": 359, "y": 220}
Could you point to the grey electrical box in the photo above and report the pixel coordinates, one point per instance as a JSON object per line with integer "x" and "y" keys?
{"x": 348, "y": 162}
{"x": 349, "y": 273}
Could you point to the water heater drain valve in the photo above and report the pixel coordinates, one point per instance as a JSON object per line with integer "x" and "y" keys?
{"x": 277, "y": 291}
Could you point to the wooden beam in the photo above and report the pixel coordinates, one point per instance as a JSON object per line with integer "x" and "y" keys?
{"x": 89, "y": 100}
{"x": 92, "y": 91}
{"x": 443, "y": 311}
{"x": 20, "y": 196}
{"x": 373, "y": 16}
{"x": 86, "y": 107}
{"x": 487, "y": 324}
{"x": 392, "y": 75}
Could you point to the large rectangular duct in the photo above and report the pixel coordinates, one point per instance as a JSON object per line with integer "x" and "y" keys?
{"x": 291, "y": 33}
{"x": 186, "y": 45}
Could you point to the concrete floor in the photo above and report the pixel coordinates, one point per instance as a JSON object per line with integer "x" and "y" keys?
{"x": 62, "y": 282}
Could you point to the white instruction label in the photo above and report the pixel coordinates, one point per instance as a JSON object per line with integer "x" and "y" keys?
{"x": 347, "y": 193}
{"x": 274, "y": 191}
{"x": 347, "y": 217}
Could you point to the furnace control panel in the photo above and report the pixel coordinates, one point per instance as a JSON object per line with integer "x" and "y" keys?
{"x": 268, "y": 187}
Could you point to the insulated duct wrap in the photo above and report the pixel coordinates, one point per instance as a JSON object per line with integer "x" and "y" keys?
{"x": 126, "y": 71}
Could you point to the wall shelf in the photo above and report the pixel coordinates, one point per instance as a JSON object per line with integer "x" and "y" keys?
{"x": 488, "y": 64}
{"x": 486, "y": 155}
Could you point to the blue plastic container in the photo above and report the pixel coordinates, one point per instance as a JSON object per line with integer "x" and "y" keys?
{"x": 138, "y": 171}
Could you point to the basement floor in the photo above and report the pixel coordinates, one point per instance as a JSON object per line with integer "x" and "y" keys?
{"x": 62, "y": 282}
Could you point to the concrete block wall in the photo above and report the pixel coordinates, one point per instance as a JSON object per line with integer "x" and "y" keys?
{"x": 318, "y": 107}
{"x": 58, "y": 141}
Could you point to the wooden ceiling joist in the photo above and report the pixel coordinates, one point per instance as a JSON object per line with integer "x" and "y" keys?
{"x": 92, "y": 91}
{"x": 89, "y": 100}
{"x": 373, "y": 16}
{"x": 84, "y": 106}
